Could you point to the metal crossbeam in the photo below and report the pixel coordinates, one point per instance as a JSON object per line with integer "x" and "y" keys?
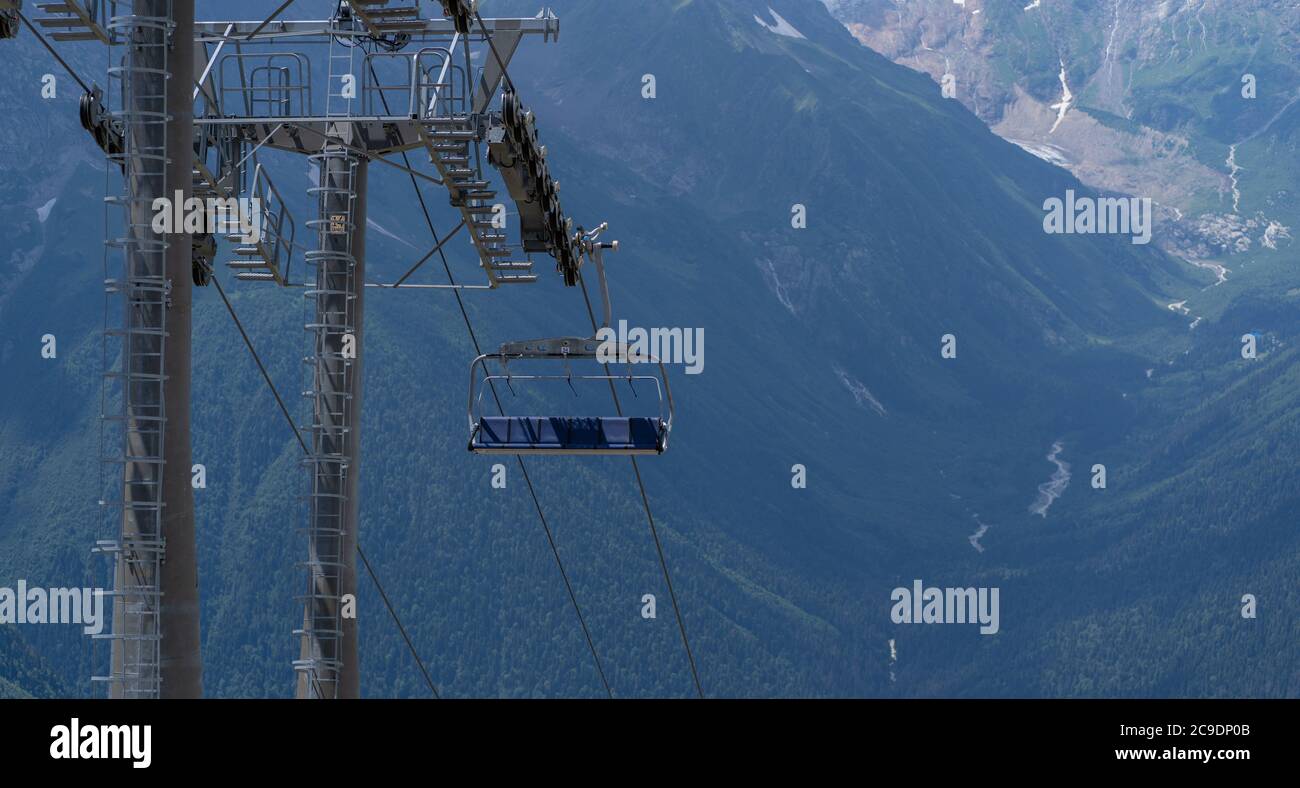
{"x": 547, "y": 26}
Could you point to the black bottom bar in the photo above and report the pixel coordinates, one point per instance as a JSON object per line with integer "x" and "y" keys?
{"x": 621, "y": 739}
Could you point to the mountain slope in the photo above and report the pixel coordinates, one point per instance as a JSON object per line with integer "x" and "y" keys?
{"x": 23, "y": 674}
{"x": 1183, "y": 101}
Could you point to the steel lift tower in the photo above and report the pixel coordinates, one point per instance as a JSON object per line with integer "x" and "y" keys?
{"x": 145, "y": 126}
{"x": 394, "y": 82}
{"x": 328, "y": 662}
{"x": 155, "y": 632}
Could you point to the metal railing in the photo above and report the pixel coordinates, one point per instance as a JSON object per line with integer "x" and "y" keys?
{"x": 271, "y": 252}
{"x": 266, "y": 84}
{"x": 425, "y": 84}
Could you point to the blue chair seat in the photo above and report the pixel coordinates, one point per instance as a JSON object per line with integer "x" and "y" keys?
{"x": 567, "y": 435}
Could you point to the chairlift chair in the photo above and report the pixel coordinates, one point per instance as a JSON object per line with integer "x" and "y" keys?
{"x": 589, "y": 435}
{"x": 569, "y": 435}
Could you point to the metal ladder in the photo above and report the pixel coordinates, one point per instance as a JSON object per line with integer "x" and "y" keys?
{"x": 341, "y": 64}
{"x": 334, "y": 298}
{"x": 134, "y": 354}
{"x": 139, "y": 674}
{"x": 448, "y": 141}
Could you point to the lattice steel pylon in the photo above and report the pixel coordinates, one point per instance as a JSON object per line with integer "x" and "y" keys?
{"x": 327, "y": 663}
{"x": 145, "y": 421}
{"x": 393, "y": 82}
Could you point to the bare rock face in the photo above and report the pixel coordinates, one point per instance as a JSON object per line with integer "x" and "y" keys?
{"x": 1155, "y": 99}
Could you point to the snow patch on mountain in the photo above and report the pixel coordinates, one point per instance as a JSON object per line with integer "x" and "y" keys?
{"x": 975, "y": 538}
{"x": 43, "y": 212}
{"x": 1054, "y": 487}
{"x": 1067, "y": 100}
{"x": 1052, "y": 154}
{"x": 778, "y": 287}
{"x": 861, "y": 394}
{"x": 779, "y": 26}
